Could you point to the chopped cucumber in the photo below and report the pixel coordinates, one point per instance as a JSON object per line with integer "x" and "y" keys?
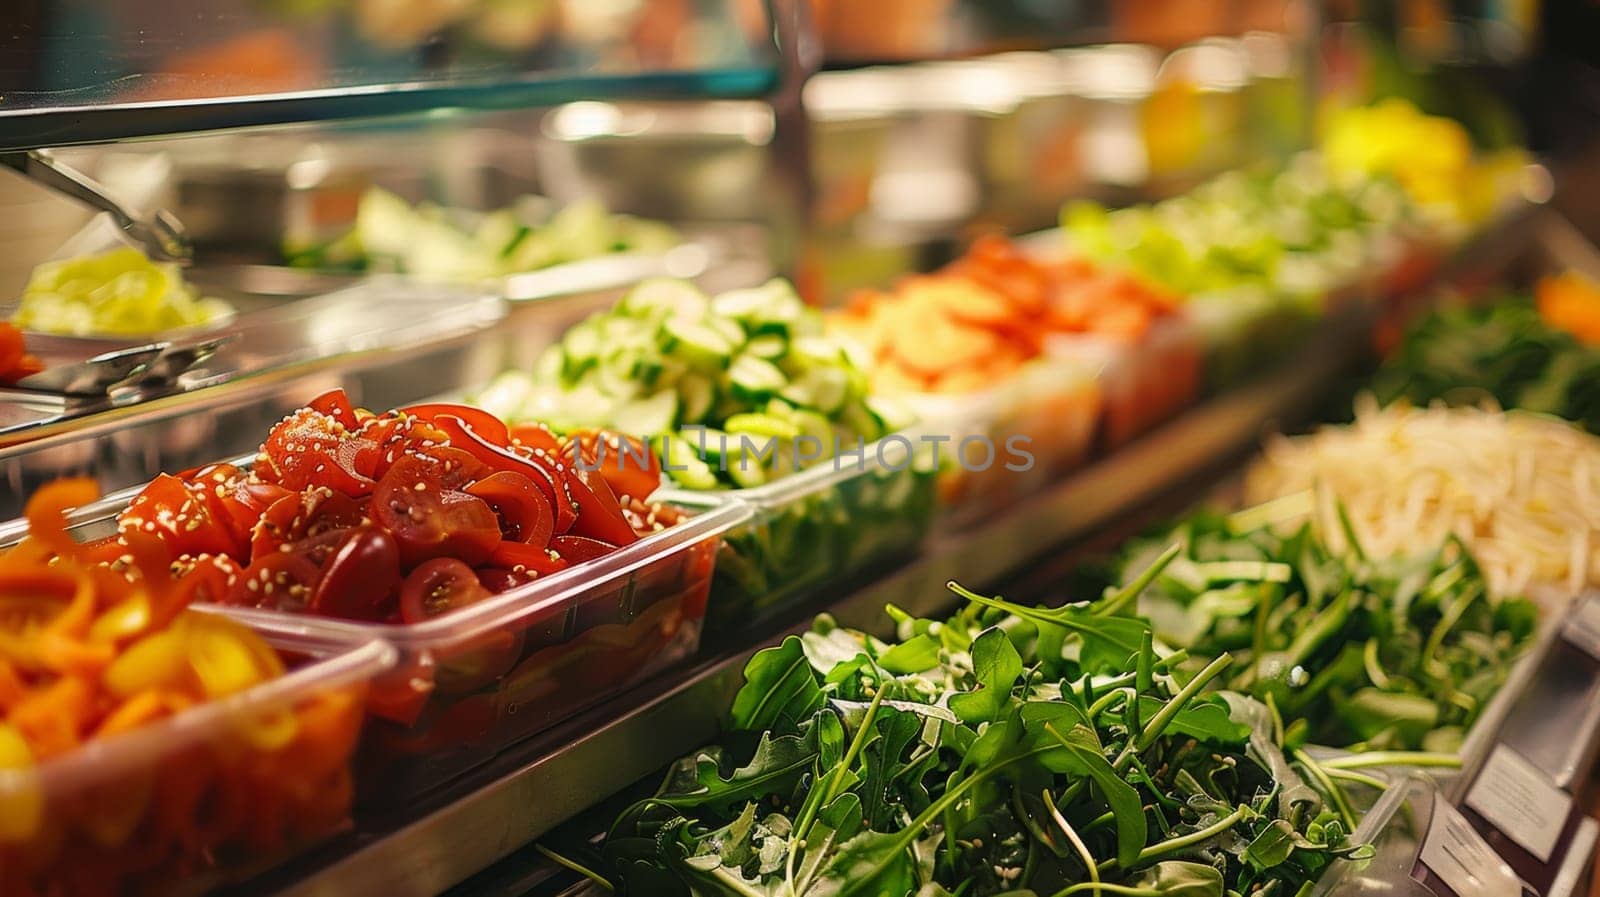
{"x": 754, "y": 378}
{"x": 818, "y": 351}
{"x": 385, "y": 223}
{"x": 696, "y": 391}
{"x": 674, "y": 298}
{"x": 746, "y": 470}
{"x": 695, "y": 343}
{"x": 679, "y": 461}
{"x": 769, "y": 346}
{"x": 730, "y": 330}
{"x": 652, "y": 415}
{"x": 860, "y": 420}
{"x": 762, "y": 425}
{"x": 823, "y": 388}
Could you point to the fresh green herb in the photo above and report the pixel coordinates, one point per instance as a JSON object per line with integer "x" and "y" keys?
{"x": 1371, "y": 653}
{"x": 1002, "y": 750}
{"x": 1503, "y": 351}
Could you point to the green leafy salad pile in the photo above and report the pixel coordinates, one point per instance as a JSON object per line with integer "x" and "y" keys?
{"x": 1355, "y": 651}
{"x": 1505, "y": 351}
{"x": 1004, "y": 750}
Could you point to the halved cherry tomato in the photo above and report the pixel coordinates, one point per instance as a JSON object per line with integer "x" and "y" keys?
{"x": 577, "y": 549}
{"x": 437, "y": 587}
{"x": 599, "y": 514}
{"x": 629, "y": 466}
{"x": 402, "y": 695}
{"x": 525, "y": 514}
{"x": 360, "y": 579}
{"x": 483, "y": 423}
{"x": 429, "y": 521}
{"x": 535, "y": 560}
{"x": 179, "y": 515}
{"x": 336, "y": 404}
{"x": 284, "y": 580}
{"x": 304, "y": 515}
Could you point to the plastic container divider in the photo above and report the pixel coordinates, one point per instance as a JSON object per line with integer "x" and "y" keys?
{"x": 209, "y": 796}
{"x": 1143, "y": 383}
{"x": 476, "y": 681}
{"x": 1054, "y": 403}
{"x": 818, "y": 527}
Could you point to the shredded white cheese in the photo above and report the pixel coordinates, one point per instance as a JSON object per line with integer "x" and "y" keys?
{"x": 1518, "y": 488}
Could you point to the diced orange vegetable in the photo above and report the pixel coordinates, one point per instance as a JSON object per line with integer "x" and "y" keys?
{"x": 1571, "y": 302}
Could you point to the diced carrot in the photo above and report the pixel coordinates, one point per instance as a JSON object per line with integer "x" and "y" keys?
{"x": 939, "y": 344}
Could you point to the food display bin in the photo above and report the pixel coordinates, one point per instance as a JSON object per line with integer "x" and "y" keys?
{"x": 1051, "y": 407}
{"x": 817, "y": 529}
{"x": 201, "y": 799}
{"x": 471, "y": 683}
{"x": 1142, "y": 383}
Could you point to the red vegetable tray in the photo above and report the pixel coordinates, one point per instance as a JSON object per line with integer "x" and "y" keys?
{"x": 473, "y": 682}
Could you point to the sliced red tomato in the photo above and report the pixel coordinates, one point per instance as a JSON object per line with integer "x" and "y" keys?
{"x": 429, "y": 521}
{"x": 544, "y": 472}
{"x": 308, "y": 449}
{"x": 438, "y": 587}
{"x": 361, "y": 577}
{"x": 599, "y": 514}
{"x": 629, "y": 466}
{"x": 577, "y": 549}
{"x": 486, "y": 425}
{"x": 536, "y": 560}
{"x": 181, "y": 517}
{"x": 283, "y": 580}
{"x": 208, "y": 578}
{"x": 103, "y": 551}
{"x": 336, "y": 404}
{"x": 297, "y": 517}
{"x": 402, "y": 695}
{"x": 456, "y": 468}
{"x": 501, "y": 579}
{"x": 524, "y": 512}
{"x": 536, "y": 438}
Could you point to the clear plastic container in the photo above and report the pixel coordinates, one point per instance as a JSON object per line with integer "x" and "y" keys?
{"x": 1051, "y": 408}
{"x": 818, "y": 528}
{"x": 476, "y": 681}
{"x": 201, "y": 799}
{"x": 1394, "y": 828}
{"x": 1142, "y": 383}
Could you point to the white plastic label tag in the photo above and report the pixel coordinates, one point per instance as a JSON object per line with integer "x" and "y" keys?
{"x": 1521, "y": 801}
{"x": 1462, "y": 859}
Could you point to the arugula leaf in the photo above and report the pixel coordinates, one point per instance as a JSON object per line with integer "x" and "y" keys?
{"x": 996, "y": 665}
{"x": 779, "y": 690}
{"x": 1106, "y": 643}
{"x": 778, "y": 764}
{"x": 915, "y": 655}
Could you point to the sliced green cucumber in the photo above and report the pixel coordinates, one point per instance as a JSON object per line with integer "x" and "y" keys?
{"x": 761, "y": 425}
{"x": 822, "y": 388}
{"x": 754, "y": 378}
{"x": 682, "y": 465}
{"x": 769, "y": 346}
{"x": 665, "y": 295}
{"x": 695, "y": 343}
{"x": 385, "y": 223}
{"x": 649, "y": 416}
{"x": 696, "y": 392}
{"x": 730, "y": 330}
{"x": 550, "y": 364}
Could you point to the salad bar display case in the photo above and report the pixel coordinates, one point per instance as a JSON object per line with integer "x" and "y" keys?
{"x": 536, "y": 471}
